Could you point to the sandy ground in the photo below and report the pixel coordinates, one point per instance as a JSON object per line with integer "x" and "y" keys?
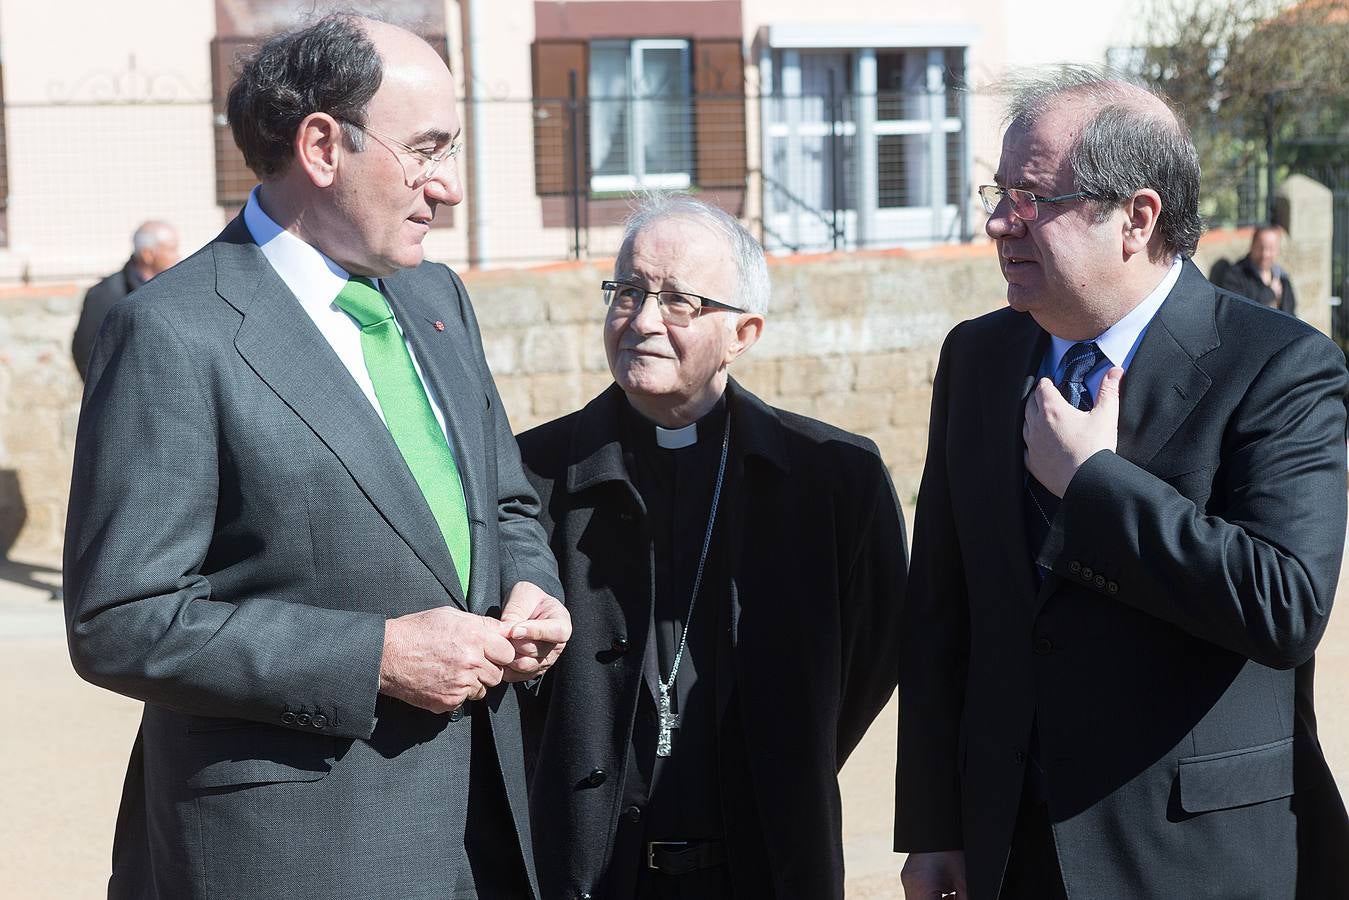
{"x": 64, "y": 743}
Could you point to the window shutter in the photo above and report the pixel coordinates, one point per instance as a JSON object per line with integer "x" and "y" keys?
{"x": 719, "y": 112}
{"x": 233, "y": 178}
{"x": 559, "y": 155}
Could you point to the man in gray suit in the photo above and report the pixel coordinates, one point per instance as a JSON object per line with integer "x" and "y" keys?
{"x": 298, "y": 526}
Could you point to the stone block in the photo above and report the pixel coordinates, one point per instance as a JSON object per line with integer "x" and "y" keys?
{"x": 555, "y": 395}
{"x": 892, "y": 371}
{"x": 550, "y": 349}
{"x": 516, "y": 398}
{"x": 853, "y": 411}
{"x": 817, "y": 375}
{"x": 502, "y": 352}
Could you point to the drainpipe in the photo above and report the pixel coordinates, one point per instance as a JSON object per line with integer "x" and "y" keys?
{"x": 477, "y": 144}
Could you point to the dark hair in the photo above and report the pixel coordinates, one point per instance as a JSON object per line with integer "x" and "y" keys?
{"x": 1126, "y": 146}
{"x": 331, "y": 66}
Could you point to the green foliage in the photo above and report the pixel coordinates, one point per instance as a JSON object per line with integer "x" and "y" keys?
{"x": 1242, "y": 71}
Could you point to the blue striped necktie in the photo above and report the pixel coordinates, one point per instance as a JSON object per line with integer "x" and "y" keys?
{"x": 1081, "y": 360}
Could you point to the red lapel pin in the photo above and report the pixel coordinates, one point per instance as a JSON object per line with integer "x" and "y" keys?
{"x": 440, "y": 326}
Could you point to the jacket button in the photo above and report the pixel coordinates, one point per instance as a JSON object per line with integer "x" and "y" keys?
{"x": 303, "y": 719}
{"x": 620, "y": 643}
{"x": 456, "y": 714}
{"x": 320, "y": 721}
{"x": 633, "y": 814}
{"x": 595, "y": 778}
{"x": 1099, "y": 581}
{"x": 1020, "y": 757}
{"x": 1074, "y": 567}
{"x": 626, "y": 517}
{"x": 1043, "y": 646}
{"x": 1087, "y": 573}
{"x": 1111, "y": 587}
{"x": 288, "y": 718}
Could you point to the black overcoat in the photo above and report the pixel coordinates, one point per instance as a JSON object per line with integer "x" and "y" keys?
{"x": 818, "y": 570}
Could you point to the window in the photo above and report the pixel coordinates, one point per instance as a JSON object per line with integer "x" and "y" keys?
{"x": 640, "y": 115}
{"x": 654, "y": 112}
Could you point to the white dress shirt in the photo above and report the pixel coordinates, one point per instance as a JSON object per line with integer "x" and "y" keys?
{"x": 1120, "y": 341}
{"x": 316, "y": 280}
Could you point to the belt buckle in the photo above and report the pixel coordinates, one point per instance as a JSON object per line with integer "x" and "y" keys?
{"x": 653, "y": 846}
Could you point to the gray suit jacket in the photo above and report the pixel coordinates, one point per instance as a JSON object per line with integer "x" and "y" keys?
{"x": 241, "y": 524}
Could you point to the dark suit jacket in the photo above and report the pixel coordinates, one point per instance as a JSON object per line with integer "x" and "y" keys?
{"x": 1243, "y": 278}
{"x": 241, "y": 525}
{"x": 1167, "y": 659}
{"x": 817, "y": 585}
{"x": 97, "y": 301}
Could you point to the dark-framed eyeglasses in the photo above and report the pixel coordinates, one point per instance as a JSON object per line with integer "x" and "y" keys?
{"x": 418, "y": 165}
{"x": 678, "y": 308}
{"x": 1025, "y": 204}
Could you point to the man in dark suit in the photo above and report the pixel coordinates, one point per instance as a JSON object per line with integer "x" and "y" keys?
{"x": 299, "y": 529}
{"x": 736, "y": 574}
{"x": 1127, "y": 540}
{"x": 154, "y": 248}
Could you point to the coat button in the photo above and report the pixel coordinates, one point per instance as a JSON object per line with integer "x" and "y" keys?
{"x": 633, "y": 814}
{"x": 595, "y": 778}
{"x": 288, "y": 718}
{"x": 456, "y": 714}
{"x": 1074, "y": 567}
{"x": 620, "y": 643}
{"x": 1087, "y": 573}
{"x": 1020, "y": 757}
{"x": 1099, "y": 581}
{"x": 303, "y": 719}
{"x": 1043, "y": 646}
{"x": 320, "y": 721}
{"x": 1111, "y": 587}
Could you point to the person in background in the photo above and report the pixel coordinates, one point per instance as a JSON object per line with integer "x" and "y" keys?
{"x": 154, "y": 248}
{"x": 1258, "y": 276}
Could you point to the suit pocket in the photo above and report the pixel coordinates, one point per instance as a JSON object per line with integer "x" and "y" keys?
{"x": 261, "y": 754}
{"x": 1236, "y": 777}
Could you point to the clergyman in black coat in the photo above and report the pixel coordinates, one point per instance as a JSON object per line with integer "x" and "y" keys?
{"x": 757, "y": 554}
{"x": 1126, "y": 546}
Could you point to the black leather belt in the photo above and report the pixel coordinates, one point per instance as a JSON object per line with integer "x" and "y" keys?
{"x": 681, "y": 857}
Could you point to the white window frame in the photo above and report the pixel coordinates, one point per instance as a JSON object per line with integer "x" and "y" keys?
{"x": 637, "y": 179}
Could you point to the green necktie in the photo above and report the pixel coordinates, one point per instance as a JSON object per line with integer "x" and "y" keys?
{"x": 408, "y": 415}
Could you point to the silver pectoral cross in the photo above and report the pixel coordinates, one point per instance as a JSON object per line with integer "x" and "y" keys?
{"x": 668, "y": 721}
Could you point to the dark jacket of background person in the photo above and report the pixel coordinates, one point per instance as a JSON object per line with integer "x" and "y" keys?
{"x": 817, "y": 537}
{"x": 97, "y": 302}
{"x": 1243, "y": 278}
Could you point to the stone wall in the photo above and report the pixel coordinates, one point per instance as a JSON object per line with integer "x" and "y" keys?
{"x": 851, "y": 338}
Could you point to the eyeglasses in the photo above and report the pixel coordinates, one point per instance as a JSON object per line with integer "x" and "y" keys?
{"x": 678, "y": 308}
{"x": 1025, "y": 204}
{"x": 422, "y": 164}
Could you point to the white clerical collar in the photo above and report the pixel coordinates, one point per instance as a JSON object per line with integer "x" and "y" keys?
{"x": 312, "y": 277}
{"x": 677, "y": 438}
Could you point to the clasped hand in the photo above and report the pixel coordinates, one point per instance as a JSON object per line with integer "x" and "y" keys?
{"x": 440, "y": 658}
{"x": 1060, "y": 438}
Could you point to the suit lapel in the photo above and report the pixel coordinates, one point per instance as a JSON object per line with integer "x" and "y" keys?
{"x": 1164, "y": 383}
{"x": 1008, "y": 382}
{"x": 285, "y": 349}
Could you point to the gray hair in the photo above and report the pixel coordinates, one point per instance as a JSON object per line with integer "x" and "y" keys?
{"x": 753, "y": 286}
{"x": 1126, "y": 146}
{"x": 331, "y": 66}
{"x": 150, "y": 235}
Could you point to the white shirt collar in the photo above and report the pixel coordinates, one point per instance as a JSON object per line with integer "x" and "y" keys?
{"x": 312, "y": 277}
{"x": 1119, "y": 341}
